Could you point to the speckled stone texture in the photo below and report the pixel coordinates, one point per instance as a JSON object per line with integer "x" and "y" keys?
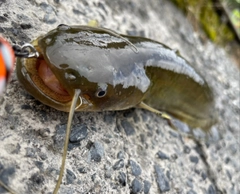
{"x": 132, "y": 151}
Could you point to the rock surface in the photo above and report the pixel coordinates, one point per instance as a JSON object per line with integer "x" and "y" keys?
{"x": 113, "y": 145}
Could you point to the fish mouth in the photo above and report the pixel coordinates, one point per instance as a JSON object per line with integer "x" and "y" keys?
{"x": 41, "y": 83}
{"x": 43, "y": 80}
{"x": 50, "y": 80}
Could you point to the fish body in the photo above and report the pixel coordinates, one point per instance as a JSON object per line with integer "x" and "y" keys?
{"x": 115, "y": 72}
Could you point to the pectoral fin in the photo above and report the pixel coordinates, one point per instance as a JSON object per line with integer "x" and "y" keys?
{"x": 149, "y": 108}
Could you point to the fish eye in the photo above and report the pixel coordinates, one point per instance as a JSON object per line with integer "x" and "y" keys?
{"x": 101, "y": 93}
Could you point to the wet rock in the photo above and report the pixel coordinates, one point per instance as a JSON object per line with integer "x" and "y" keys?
{"x": 162, "y": 155}
{"x": 25, "y": 26}
{"x": 2, "y": 2}
{"x": 189, "y": 183}
{"x": 128, "y": 128}
{"x": 211, "y": 190}
{"x": 136, "y": 186}
{"x": 96, "y": 152}
{"x": 13, "y": 148}
{"x": 102, "y": 7}
{"x": 122, "y": 178}
{"x": 35, "y": 182}
{"x": 187, "y": 149}
{"x": 108, "y": 173}
{"x": 136, "y": 117}
{"x": 93, "y": 177}
{"x": 120, "y": 155}
{"x": 144, "y": 116}
{"x": 9, "y": 108}
{"x": 82, "y": 170}
{"x": 2, "y": 31}
{"x": 203, "y": 175}
{"x": 174, "y": 134}
{"x": 59, "y": 137}
{"x": 129, "y": 113}
{"x": 5, "y": 174}
{"x": 44, "y": 132}
{"x": 47, "y": 7}
{"x": 30, "y": 152}
{"x": 194, "y": 159}
{"x": 180, "y": 126}
{"x": 174, "y": 156}
{"x": 49, "y": 19}
{"x": 118, "y": 165}
{"x": 77, "y": 12}
{"x": 70, "y": 176}
{"x": 143, "y": 138}
{"x": 146, "y": 186}
{"x": 26, "y": 106}
{"x": 136, "y": 169}
{"x": 37, "y": 179}
{"x": 3, "y": 19}
{"x": 78, "y": 133}
{"x": 191, "y": 192}
{"x": 109, "y": 118}
{"x": 39, "y": 164}
{"x": 42, "y": 155}
{"x": 132, "y": 32}
{"x": 162, "y": 181}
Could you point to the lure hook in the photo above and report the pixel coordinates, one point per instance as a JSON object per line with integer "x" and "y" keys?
{"x": 25, "y": 51}
{"x": 80, "y": 104}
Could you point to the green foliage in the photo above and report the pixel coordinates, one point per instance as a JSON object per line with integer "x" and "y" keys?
{"x": 203, "y": 14}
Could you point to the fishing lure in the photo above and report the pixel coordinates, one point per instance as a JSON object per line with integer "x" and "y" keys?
{"x": 7, "y": 59}
{"x": 82, "y": 68}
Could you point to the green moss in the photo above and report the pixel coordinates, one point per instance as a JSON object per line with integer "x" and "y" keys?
{"x": 203, "y": 14}
{"x": 235, "y": 17}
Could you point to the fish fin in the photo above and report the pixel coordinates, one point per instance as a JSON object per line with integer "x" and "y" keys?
{"x": 149, "y": 108}
{"x": 162, "y": 114}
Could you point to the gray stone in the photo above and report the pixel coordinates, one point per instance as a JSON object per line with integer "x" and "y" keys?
{"x": 70, "y": 176}
{"x": 118, "y": 165}
{"x": 78, "y": 133}
{"x": 162, "y": 155}
{"x": 146, "y": 186}
{"x": 128, "y": 128}
{"x": 163, "y": 183}
{"x": 136, "y": 186}
{"x": 96, "y": 152}
{"x": 122, "y": 178}
{"x": 136, "y": 169}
